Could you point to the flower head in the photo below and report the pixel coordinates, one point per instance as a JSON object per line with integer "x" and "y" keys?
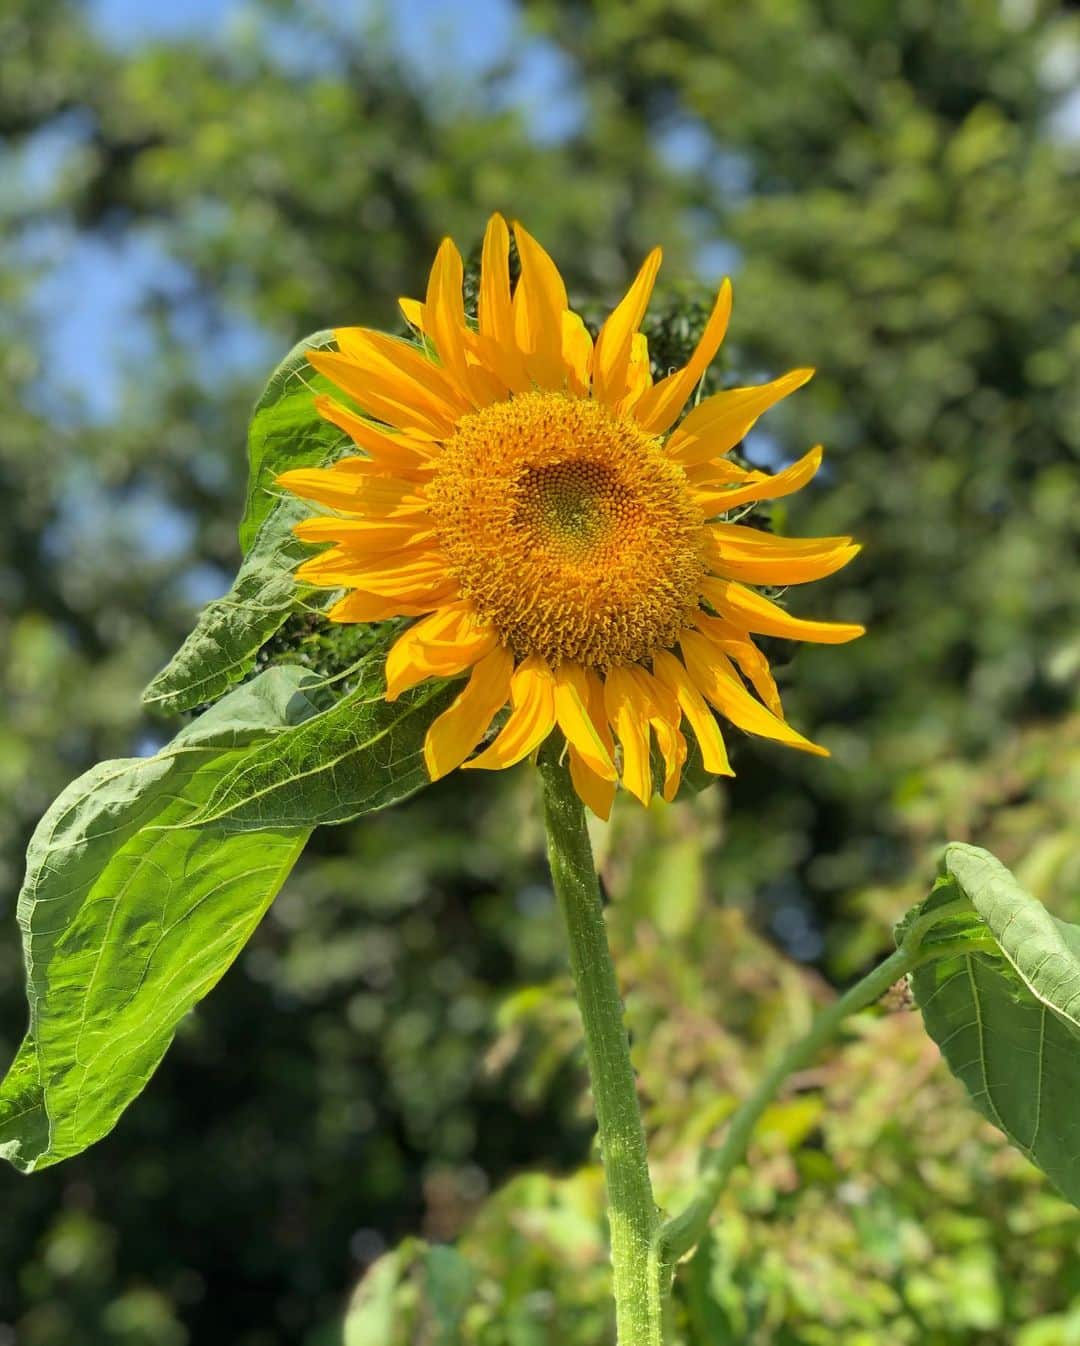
{"x": 521, "y": 492}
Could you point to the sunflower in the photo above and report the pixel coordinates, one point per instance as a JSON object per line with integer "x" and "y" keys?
{"x": 522, "y": 493}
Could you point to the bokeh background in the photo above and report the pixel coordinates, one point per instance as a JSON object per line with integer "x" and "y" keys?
{"x": 186, "y": 189}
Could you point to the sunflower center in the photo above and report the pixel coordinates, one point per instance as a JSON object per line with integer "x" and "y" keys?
{"x": 572, "y": 506}
{"x": 569, "y": 529}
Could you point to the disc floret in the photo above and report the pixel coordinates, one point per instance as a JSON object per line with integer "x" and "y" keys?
{"x": 569, "y": 529}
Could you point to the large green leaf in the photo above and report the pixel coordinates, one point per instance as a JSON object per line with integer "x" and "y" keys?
{"x": 231, "y": 630}
{"x": 129, "y": 917}
{"x": 286, "y": 432}
{"x": 1001, "y": 998}
{"x": 363, "y": 753}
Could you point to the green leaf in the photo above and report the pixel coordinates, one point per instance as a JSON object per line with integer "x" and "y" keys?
{"x": 286, "y": 431}
{"x": 24, "y": 1123}
{"x": 363, "y": 753}
{"x": 231, "y": 630}
{"x": 129, "y": 917}
{"x": 375, "y": 1312}
{"x": 1001, "y": 998}
{"x": 417, "y": 1292}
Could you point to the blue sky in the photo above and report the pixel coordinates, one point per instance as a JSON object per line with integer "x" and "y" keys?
{"x": 89, "y": 306}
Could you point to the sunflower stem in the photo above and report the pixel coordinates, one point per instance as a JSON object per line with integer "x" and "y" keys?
{"x": 633, "y": 1218}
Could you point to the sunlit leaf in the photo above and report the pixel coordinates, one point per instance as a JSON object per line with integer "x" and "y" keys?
{"x": 362, "y": 753}
{"x": 129, "y": 918}
{"x": 1003, "y": 1004}
{"x": 231, "y": 630}
{"x": 24, "y": 1123}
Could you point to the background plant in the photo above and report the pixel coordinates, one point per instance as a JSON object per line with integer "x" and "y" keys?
{"x": 880, "y": 240}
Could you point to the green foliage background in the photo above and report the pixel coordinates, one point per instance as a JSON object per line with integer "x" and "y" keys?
{"x": 896, "y": 189}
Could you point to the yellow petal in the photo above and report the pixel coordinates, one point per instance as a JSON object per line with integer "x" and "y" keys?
{"x": 539, "y": 303}
{"x": 342, "y": 487}
{"x": 752, "y": 663}
{"x": 673, "y": 750}
{"x": 357, "y": 465}
{"x": 707, "y": 732}
{"x": 364, "y": 536}
{"x": 792, "y": 479}
{"x": 623, "y": 705}
{"x": 577, "y": 351}
{"x": 781, "y": 571}
{"x": 444, "y": 316}
{"x": 721, "y": 421}
{"x": 573, "y": 718}
{"x": 454, "y": 734}
{"x": 384, "y": 396}
{"x": 441, "y": 646}
{"x": 406, "y": 573}
{"x": 639, "y": 375}
{"x": 594, "y": 701}
{"x": 402, "y": 365}
{"x": 502, "y": 363}
{"x": 595, "y": 791}
{"x": 494, "y": 313}
{"x": 412, "y": 311}
{"x": 657, "y": 409}
{"x": 614, "y": 345}
{"x": 722, "y": 470}
{"x": 742, "y": 542}
{"x": 486, "y": 381}
{"x": 753, "y": 612}
{"x": 391, "y": 452}
{"x": 713, "y": 673}
{"x": 664, "y": 715}
{"x": 532, "y": 717}
{"x": 361, "y": 607}
{"x": 757, "y": 557}
{"x": 444, "y": 308}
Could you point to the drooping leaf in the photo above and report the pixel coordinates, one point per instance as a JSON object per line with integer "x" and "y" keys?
{"x": 1002, "y": 1001}
{"x": 129, "y": 918}
{"x": 231, "y": 630}
{"x": 362, "y": 753}
{"x": 286, "y": 431}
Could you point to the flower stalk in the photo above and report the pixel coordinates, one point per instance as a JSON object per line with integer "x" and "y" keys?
{"x": 633, "y": 1217}
{"x": 644, "y": 1250}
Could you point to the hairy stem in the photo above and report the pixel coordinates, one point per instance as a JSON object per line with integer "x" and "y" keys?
{"x": 632, "y": 1213}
